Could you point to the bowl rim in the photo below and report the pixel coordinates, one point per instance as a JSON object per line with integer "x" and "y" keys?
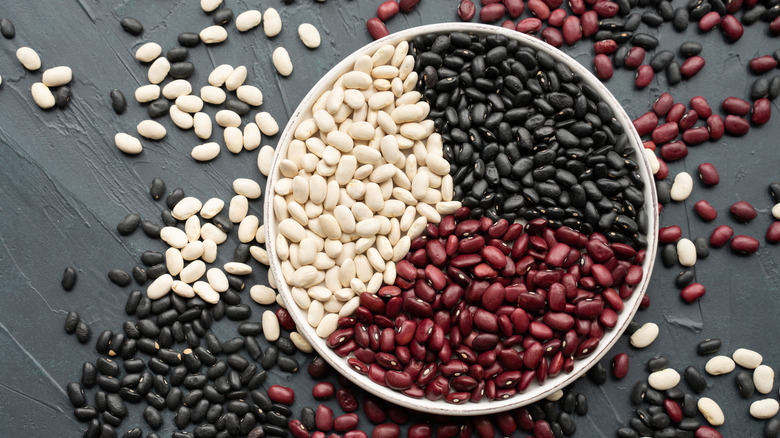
{"x": 535, "y": 392}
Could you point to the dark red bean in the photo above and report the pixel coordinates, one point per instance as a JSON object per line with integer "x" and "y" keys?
{"x": 420, "y": 430}
{"x": 466, "y": 10}
{"x": 529, "y": 25}
{"x": 514, "y": 7}
{"x": 701, "y": 106}
{"x": 346, "y": 422}
{"x": 552, "y": 36}
{"x": 572, "y": 30}
{"x": 733, "y": 6}
{"x": 387, "y": 10}
{"x": 297, "y": 429}
{"x": 606, "y": 9}
{"x": 688, "y": 120}
{"x": 281, "y": 394}
{"x": 665, "y": 133}
{"x": 323, "y": 390}
{"x": 407, "y": 5}
{"x": 744, "y": 244}
{"x": 644, "y": 76}
{"x": 346, "y": 400}
{"x": 774, "y": 26}
{"x": 386, "y": 430}
{"x": 354, "y": 434}
{"x": 695, "y": 136}
{"x": 635, "y": 58}
{"x": 491, "y": 13}
{"x": 707, "y": 432}
{"x": 773, "y": 232}
{"x": 692, "y": 292}
{"x": 603, "y": 66}
{"x": 606, "y": 47}
{"x": 675, "y": 113}
{"x": 620, "y": 366}
{"x": 508, "y": 24}
{"x": 674, "y": 151}
{"x": 721, "y": 235}
{"x": 763, "y": 64}
{"x": 709, "y": 20}
{"x": 663, "y": 104}
{"x": 590, "y": 23}
{"x": 376, "y": 28}
{"x": 736, "y": 126}
{"x": 556, "y": 17}
{"x": 743, "y": 211}
{"x": 539, "y": 9}
{"x": 762, "y": 111}
{"x": 731, "y": 27}
{"x": 670, "y": 234}
{"x": 691, "y": 66}
{"x": 716, "y": 126}
{"x": 705, "y": 211}
{"x": 708, "y": 174}
{"x": 736, "y": 106}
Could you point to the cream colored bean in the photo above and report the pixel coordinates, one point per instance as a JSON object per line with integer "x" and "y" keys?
{"x": 127, "y": 143}
{"x": 147, "y": 93}
{"x": 764, "y": 379}
{"x": 193, "y": 271}
{"x": 209, "y": 5}
{"x": 238, "y": 208}
{"x": 182, "y": 289}
{"x": 273, "y": 23}
{"x": 227, "y": 119}
{"x": 211, "y": 208}
{"x": 159, "y": 70}
{"x": 209, "y": 250}
{"x": 328, "y": 325}
{"x": 213, "y": 35}
{"x": 192, "y": 229}
{"x": 176, "y": 88}
{"x": 645, "y": 335}
{"x": 212, "y": 94}
{"x": 148, "y": 52}
{"x": 174, "y": 261}
{"x": 236, "y": 78}
{"x": 181, "y": 119}
{"x": 192, "y": 251}
{"x": 190, "y": 103}
{"x": 250, "y": 95}
{"x": 264, "y": 159}
{"x": 711, "y": 411}
{"x": 159, "y": 287}
{"x": 211, "y": 232}
{"x": 247, "y": 228}
{"x": 747, "y": 358}
{"x": 205, "y": 152}
{"x": 251, "y": 136}
{"x": 262, "y": 294}
{"x": 764, "y": 409}
{"x": 682, "y": 186}
{"x": 206, "y": 292}
{"x": 309, "y": 35}
{"x": 219, "y": 75}
{"x": 719, "y": 365}
{"x": 28, "y": 58}
{"x": 201, "y": 123}
{"x": 686, "y": 252}
{"x": 301, "y": 343}
{"x": 267, "y": 124}
{"x": 151, "y": 130}
{"x": 186, "y": 207}
{"x": 248, "y": 20}
{"x": 237, "y": 268}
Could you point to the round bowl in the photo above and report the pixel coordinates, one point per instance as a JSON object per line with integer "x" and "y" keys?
{"x": 534, "y": 392}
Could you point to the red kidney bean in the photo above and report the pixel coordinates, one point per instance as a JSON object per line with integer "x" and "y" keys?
{"x": 556, "y": 17}
{"x": 762, "y": 111}
{"x": 323, "y": 390}
{"x": 420, "y": 430}
{"x": 708, "y": 174}
{"x": 606, "y": 9}
{"x": 407, "y": 5}
{"x": 376, "y": 28}
{"x": 387, "y": 10}
{"x": 508, "y": 24}
{"x": 691, "y": 66}
{"x": 577, "y": 7}
{"x": 386, "y": 430}
{"x": 572, "y": 30}
{"x": 603, "y": 66}
{"x": 744, "y": 244}
{"x": 514, "y": 8}
{"x": 675, "y": 113}
{"x": 736, "y": 106}
{"x": 346, "y": 422}
{"x": 674, "y": 151}
{"x": 529, "y": 25}
{"x": 762, "y": 64}
{"x": 346, "y": 400}
{"x": 491, "y": 13}
{"x": 743, "y": 211}
{"x": 701, "y": 106}
{"x": 696, "y": 136}
{"x": 552, "y": 36}
{"x": 635, "y": 58}
{"x": 692, "y": 292}
{"x": 709, "y": 20}
{"x": 707, "y": 432}
{"x": 773, "y": 232}
{"x": 665, "y": 133}
{"x": 663, "y": 104}
{"x": 589, "y": 21}
{"x": 374, "y": 410}
{"x": 774, "y": 26}
{"x": 688, "y": 120}
{"x": 721, "y": 235}
{"x": 606, "y": 47}
{"x": 281, "y": 394}
{"x": 539, "y": 9}
{"x": 620, "y": 365}
{"x": 646, "y": 123}
{"x": 705, "y": 211}
{"x": 733, "y": 6}
{"x": 352, "y": 434}
{"x": 297, "y": 429}
{"x": 731, "y": 27}
{"x": 736, "y": 126}
{"x": 715, "y": 126}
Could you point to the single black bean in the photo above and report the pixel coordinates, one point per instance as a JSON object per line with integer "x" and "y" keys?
{"x": 689, "y": 405}
{"x": 702, "y": 247}
{"x": 708, "y": 347}
{"x": 669, "y": 255}
{"x": 759, "y": 89}
{"x": 93, "y": 429}
{"x": 774, "y": 191}
{"x": 119, "y": 277}
{"x": 638, "y": 392}
{"x": 236, "y": 283}
{"x": 657, "y": 363}
{"x": 131, "y": 26}
{"x": 680, "y": 19}
{"x": 176, "y": 195}
{"x": 182, "y": 69}
{"x": 238, "y": 313}
{"x": 270, "y": 357}
{"x": 139, "y": 275}
{"x": 7, "y": 28}
{"x": 71, "y": 322}
{"x": 76, "y": 394}
{"x": 151, "y": 229}
{"x": 772, "y": 428}
{"x": 694, "y": 379}
{"x": 673, "y": 74}
{"x": 684, "y": 278}
{"x": 252, "y": 348}
{"x": 641, "y": 427}
{"x": 189, "y": 39}
{"x": 177, "y": 54}
{"x": 288, "y": 364}
{"x": 627, "y": 432}
{"x": 285, "y": 345}
{"x": 69, "y": 277}
{"x": 158, "y": 108}
{"x": 645, "y": 41}
{"x": 745, "y": 384}
{"x": 147, "y": 346}
{"x": 107, "y": 367}
{"x": 116, "y": 405}
{"x": 223, "y": 16}
{"x": 690, "y": 48}
{"x": 85, "y": 414}
{"x": 62, "y": 97}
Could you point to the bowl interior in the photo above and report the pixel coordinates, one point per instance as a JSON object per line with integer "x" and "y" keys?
{"x": 534, "y": 392}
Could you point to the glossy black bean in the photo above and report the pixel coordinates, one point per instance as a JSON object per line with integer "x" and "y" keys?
{"x": 62, "y": 97}
{"x": 223, "y": 16}
{"x": 708, "y": 347}
{"x": 759, "y": 89}
{"x": 189, "y": 39}
{"x": 288, "y": 364}
{"x": 695, "y": 380}
{"x": 199, "y": 411}
{"x": 7, "y": 28}
{"x": 638, "y": 392}
{"x": 253, "y": 348}
{"x": 640, "y": 427}
{"x": 205, "y": 356}
{"x": 772, "y": 428}
{"x": 131, "y": 26}
{"x": 151, "y": 229}
{"x": 684, "y": 278}
{"x": 627, "y": 432}
{"x": 182, "y": 70}
{"x": 745, "y": 385}
{"x": 645, "y": 41}
{"x": 657, "y": 363}
{"x": 689, "y": 406}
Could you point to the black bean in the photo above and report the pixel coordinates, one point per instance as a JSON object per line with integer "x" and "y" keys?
{"x": 7, "y": 28}
{"x": 661, "y": 60}
{"x": 652, "y": 19}
{"x": 133, "y": 433}
{"x": 85, "y": 414}
{"x": 116, "y": 406}
{"x": 684, "y": 278}
{"x": 107, "y": 367}
{"x": 62, "y": 97}
{"x": 669, "y": 255}
{"x": 119, "y": 277}
{"x": 76, "y": 394}
{"x": 199, "y": 411}
{"x": 195, "y": 381}
{"x": 158, "y": 108}
{"x": 645, "y": 41}
{"x": 772, "y": 428}
{"x": 205, "y": 431}
{"x": 582, "y": 404}
{"x": 167, "y": 218}
{"x": 708, "y": 347}
{"x": 774, "y": 87}
{"x": 151, "y": 229}
{"x": 241, "y": 254}
{"x": 205, "y": 356}
{"x": 694, "y": 379}
{"x": 223, "y": 16}
{"x": 274, "y": 430}
{"x": 641, "y": 427}
{"x": 657, "y": 363}
{"x": 759, "y": 89}
{"x": 690, "y": 48}
{"x": 131, "y": 26}
{"x": 118, "y": 101}
{"x": 152, "y": 417}
{"x": 270, "y": 357}
{"x": 69, "y": 277}
{"x": 109, "y": 384}
{"x": 627, "y": 432}
{"x": 288, "y": 364}
{"x": 177, "y": 54}
{"x": 222, "y": 222}
{"x": 745, "y": 384}
{"x": 102, "y": 342}
{"x": 189, "y": 39}
{"x": 128, "y": 224}
{"x": 71, "y": 322}
{"x": 638, "y": 392}
{"x": 238, "y": 313}
{"x": 176, "y": 195}
{"x": 182, "y": 69}
{"x": 285, "y": 345}
{"x": 597, "y": 374}
{"x": 689, "y": 405}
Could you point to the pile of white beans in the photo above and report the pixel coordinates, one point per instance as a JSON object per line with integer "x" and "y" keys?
{"x": 362, "y": 177}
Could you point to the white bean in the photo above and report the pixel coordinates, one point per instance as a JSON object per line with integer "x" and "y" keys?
{"x": 719, "y": 365}
{"x": 176, "y": 88}
{"x": 309, "y": 35}
{"x": 711, "y": 411}
{"x": 201, "y": 123}
{"x": 28, "y": 58}
{"x": 764, "y": 409}
{"x": 281, "y": 61}
{"x": 127, "y": 143}
{"x": 151, "y": 130}
{"x": 686, "y": 252}
{"x": 236, "y": 78}
{"x": 250, "y": 95}
{"x": 148, "y": 52}
{"x": 147, "y": 93}
{"x": 159, "y": 70}
{"x": 266, "y": 123}
{"x": 645, "y": 335}
{"x": 747, "y": 358}
{"x": 205, "y": 152}
{"x": 248, "y": 20}
{"x": 213, "y": 35}
{"x": 682, "y": 186}
{"x": 209, "y": 5}
{"x": 219, "y": 75}
{"x": 273, "y": 23}
{"x": 764, "y": 379}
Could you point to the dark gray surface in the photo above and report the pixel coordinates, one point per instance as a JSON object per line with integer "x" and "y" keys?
{"x": 64, "y": 187}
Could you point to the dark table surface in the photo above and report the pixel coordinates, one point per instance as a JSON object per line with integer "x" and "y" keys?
{"x": 64, "y": 187}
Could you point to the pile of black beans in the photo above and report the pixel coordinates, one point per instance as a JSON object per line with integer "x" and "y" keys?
{"x": 525, "y": 137}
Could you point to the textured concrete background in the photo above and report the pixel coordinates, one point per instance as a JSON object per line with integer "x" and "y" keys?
{"x": 64, "y": 187}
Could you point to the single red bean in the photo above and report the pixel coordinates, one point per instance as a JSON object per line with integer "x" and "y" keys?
{"x": 708, "y": 174}
{"x": 692, "y": 292}
{"x": 491, "y": 13}
{"x": 508, "y": 24}
{"x": 774, "y": 26}
{"x": 589, "y": 21}
{"x": 763, "y": 64}
{"x": 731, "y": 27}
{"x": 376, "y": 28}
{"x": 603, "y": 66}
{"x": 762, "y": 111}
{"x": 773, "y": 232}
{"x": 676, "y": 112}
{"x": 705, "y": 211}
{"x": 387, "y": 10}
{"x": 386, "y": 430}
{"x": 673, "y": 410}
{"x": 374, "y": 410}
{"x": 407, "y": 5}
{"x": 721, "y": 235}
{"x": 744, "y": 244}
{"x": 665, "y": 132}
{"x": 688, "y": 120}
{"x": 323, "y": 390}
{"x": 663, "y": 104}
{"x": 552, "y": 36}
{"x": 606, "y": 47}
{"x": 691, "y": 66}
{"x": 297, "y": 429}
{"x": 515, "y": 8}
{"x": 285, "y": 320}
{"x": 553, "y": 4}
{"x": 635, "y": 58}
{"x": 281, "y": 394}
{"x": 736, "y": 106}
{"x": 529, "y": 25}
{"x": 352, "y": 434}
{"x": 346, "y": 400}
{"x": 670, "y": 234}
{"x": 707, "y": 432}
{"x": 577, "y": 7}
{"x": 572, "y": 30}
{"x": 701, "y": 106}
{"x": 674, "y": 151}
{"x": 606, "y": 9}
{"x": 709, "y": 20}
{"x": 695, "y": 136}
{"x": 556, "y": 17}
{"x": 420, "y": 430}
{"x": 733, "y": 6}
{"x": 345, "y": 423}
{"x": 736, "y": 126}
{"x": 743, "y": 211}
{"x": 539, "y": 9}
{"x": 716, "y": 126}
{"x": 620, "y": 365}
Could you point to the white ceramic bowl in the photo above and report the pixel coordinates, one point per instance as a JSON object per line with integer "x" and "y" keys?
{"x": 534, "y": 392}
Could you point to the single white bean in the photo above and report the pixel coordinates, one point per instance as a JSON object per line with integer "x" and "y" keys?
{"x": 151, "y": 129}
{"x": 645, "y": 335}
{"x": 281, "y": 61}
{"x": 248, "y": 20}
{"x": 764, "y": 409}
{"x": 747, "y": 358}
{"x": 273, "y": 23}
{"x": 28, "y": 58}
{"x": 686, "y": 252}
{"x": 711, "y": 411}
{"x": 206, "y": 151}
{"x": 42, "y": 96}
{"x": 213, "y": 35}
{"x": 719, "y": 365}
{"x": 764, "y": 379}
{"x": 148, "y": 52}
{"x": 309, "y": 35}
{"x": 127, "y": 143}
